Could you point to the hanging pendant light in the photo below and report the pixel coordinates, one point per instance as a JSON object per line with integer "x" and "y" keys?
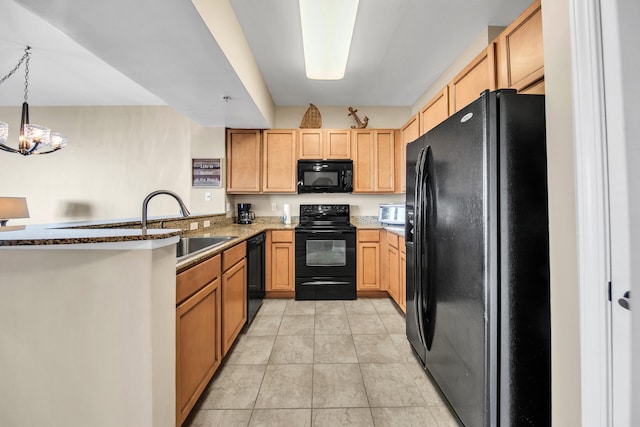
{"x": 34, "y": 139}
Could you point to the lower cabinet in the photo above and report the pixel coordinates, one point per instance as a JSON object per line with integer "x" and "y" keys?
{"x": 393, "y": 263}
{"x": 280, "y": 259}
{"x": 198, "y": 325}
{"x": 403, "y": 275}
{"x": 396, "y": 265}
{"x": 368, "y": 261}
{"x": 234, "y": 294}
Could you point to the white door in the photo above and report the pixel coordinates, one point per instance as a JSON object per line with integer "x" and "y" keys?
{"x": 606, "y": 101}
{"x": 621, "y": 61}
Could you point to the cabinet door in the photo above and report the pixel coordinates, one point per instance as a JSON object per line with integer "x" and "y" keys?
{"x": 385, "y": 161}
{"x": 374, "y": 161}
{"x": 475, "y": 78}
{"x": 408, "y": 133}
{"x": 198, "y": 352}
{"x": 363, "y": 161}
{"x": 279, "y": 161}
{"x": 393, "y": 260}
{"x": 403, "y": 275}
{"x": 520, "y": 52}
{"x": 243, "y": 161}
{"x": 368, "y": 261}
{"x": 337, "y": 144}
{"x": 311, "y": 144}
{"x": 435, "y": 111}
{"x": 234, "y": 303}
{"x": 280, "y": 261}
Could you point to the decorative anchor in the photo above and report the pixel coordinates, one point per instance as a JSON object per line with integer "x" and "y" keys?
{"x": 361, "y": 125}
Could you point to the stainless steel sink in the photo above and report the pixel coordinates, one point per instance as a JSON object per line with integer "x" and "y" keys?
{"x": 191, "y": 245}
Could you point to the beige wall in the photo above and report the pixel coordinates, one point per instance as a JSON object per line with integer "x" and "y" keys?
{"x": 338, "y": 117}
{"x": 360, "y": 204}
{"x": 565, "y": 328}
{"x": 115, "y": 156}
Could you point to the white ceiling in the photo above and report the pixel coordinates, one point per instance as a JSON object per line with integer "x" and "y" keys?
{"x": 157, "y": 52}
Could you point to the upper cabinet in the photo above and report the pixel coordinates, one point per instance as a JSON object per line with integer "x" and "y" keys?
{"x": 279, "y": 161}
{"x": 520, "y": 54}
{"x": 435, "y": 111}
{"x": 261, "y": 161}
{"x": 475, "y": 78}
{"x": 408, "y": 133}
{"x": 244, "y": 158}
{"x": 373, "y": 160}
{"x": 324, "y": 144}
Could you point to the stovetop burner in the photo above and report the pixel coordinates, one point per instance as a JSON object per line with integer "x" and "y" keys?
{"x": 324, "y": 217}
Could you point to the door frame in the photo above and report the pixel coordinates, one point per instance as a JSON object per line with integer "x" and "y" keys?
{"x": 603, "y": 157}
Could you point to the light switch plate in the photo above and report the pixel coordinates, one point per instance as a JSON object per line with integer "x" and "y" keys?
{"x": 193, "y": 226}
{"x": 206, "y": 223}
{"x": 274, "y": 206}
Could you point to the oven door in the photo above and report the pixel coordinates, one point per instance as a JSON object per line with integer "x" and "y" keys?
{"x": 325, "y": 253}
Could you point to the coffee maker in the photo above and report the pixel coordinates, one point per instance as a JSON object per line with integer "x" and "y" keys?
{"x": 245, "y": 214}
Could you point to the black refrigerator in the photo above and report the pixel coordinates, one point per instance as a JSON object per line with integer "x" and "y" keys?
{"x": 478, "y": 314}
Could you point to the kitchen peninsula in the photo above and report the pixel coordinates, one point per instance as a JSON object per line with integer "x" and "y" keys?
{"x": 88, "y": 327}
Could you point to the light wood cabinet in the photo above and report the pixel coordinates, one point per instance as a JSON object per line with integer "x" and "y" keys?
{"x": 435, "y": 111}
{"x": 368, "y": 261}
{"x": 279, "y": 167}
{"x": 475, "y": 78}
{"x": 520, "y": 53}
{"x": 279, "y": 261}
{"x": 393, "y": 266}
{"x": 403, "y": 274}
{"x": 324, "y": 144}
{"x": 373, "y": 160}
{"x": 198, "y": 329}
{"x": 408, "y": 133}
{"x": 234, "y": 294}
{"x": 244, "y": 159}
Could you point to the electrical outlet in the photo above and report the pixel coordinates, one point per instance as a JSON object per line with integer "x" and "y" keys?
{"x": 228, "y": 207}
{"x": 193, "y": 226}
{"x": 274, "y": 206}
{"x": 207, "y": 223}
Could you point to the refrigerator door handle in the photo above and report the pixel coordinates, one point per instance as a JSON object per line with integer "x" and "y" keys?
{"x": 418, "y": 245}
{"x": 428, "y": 266}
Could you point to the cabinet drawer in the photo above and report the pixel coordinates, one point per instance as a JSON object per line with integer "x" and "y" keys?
{"x": 282, "y": 236}
{"x": 368, "y": 235}
{"x": 233, "y": 255}
{"x": 392, "y": 239}
{"x": 190, "y": 281}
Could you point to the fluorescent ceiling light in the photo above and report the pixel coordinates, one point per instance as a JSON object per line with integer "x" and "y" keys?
{"x": 327, "y": 28}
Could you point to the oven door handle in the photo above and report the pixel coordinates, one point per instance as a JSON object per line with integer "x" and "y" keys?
{"x": 325, "y": 231}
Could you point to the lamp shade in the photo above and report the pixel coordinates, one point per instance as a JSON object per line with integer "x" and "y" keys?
{"x": 13, "y": 207}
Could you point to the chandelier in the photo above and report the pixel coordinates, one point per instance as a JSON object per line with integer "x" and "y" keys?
{"x": 34, "y": 139}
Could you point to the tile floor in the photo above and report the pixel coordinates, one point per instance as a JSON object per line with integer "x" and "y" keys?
{"x": 322, "y": 363}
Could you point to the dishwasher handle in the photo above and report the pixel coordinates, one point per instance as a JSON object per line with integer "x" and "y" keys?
{"x": 256, "y": 240}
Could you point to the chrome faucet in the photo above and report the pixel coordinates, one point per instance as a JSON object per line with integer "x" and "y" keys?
{"x": 145, "y": 204}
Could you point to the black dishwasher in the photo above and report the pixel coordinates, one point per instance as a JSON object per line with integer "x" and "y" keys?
{"x": 255, "y": 275}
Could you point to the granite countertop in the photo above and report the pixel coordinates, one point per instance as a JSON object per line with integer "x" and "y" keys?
{"x": 82, "y": 233}
{"x": 241, "y": 231}
{"x": 41, "y": 235}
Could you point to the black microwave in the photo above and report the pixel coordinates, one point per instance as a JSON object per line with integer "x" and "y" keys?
{"x": 325, "y": 176}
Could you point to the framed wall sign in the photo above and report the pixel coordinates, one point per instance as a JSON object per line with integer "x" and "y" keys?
{"x": 207, "y": 172}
